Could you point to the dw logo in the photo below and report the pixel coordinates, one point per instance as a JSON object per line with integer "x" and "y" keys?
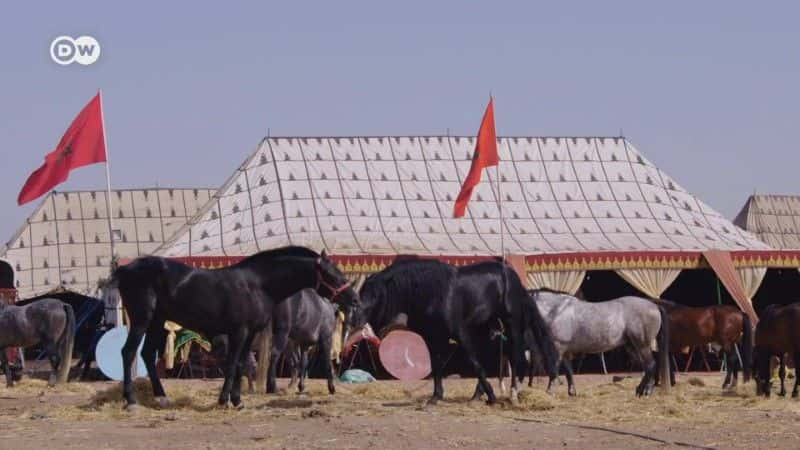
{"x": 84, "y": 50}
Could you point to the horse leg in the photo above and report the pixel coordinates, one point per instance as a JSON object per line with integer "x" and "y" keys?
{"x": 736, "y": 365}
{"x": 553, "y": 381}
{"x": 51, "y": 348}
{"x": 567, "y": 364}
{"x": 796, "y": 378}
{"x": 128, "y": 359}
{"x": 644, "y": 355}
{"x": 235, "y": 343}
{"x": 250, "y": 370}
{"x": 280, "y": 340}
{"x": 673, "y": 364}
{"x": 728, "y": 369}
{"x": 154, "y": 341}
{"x": 437, "y": 371}
{"x": 782, "y": 375}
{"x": 324, "y": 352}
{"x": 236, "y": 390}
{"x": 500, "y": 372}
{"x": 6, "y": 368}
{"x": 466, "y": 343}
{"x": 300, "y": 367}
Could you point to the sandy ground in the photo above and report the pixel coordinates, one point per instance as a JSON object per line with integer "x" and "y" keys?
{"x": 393, "y": 415}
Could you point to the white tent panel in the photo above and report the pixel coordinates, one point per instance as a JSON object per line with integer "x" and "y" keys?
{"x": 396, "y": 194}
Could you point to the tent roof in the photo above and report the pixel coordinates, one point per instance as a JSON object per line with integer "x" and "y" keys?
{"x": 775, "y": 219}
{"x": 65, "y": 241}
{"x": 394, "y": 195}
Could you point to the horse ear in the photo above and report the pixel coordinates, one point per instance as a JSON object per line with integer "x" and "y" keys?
{"x": 324, "y": 254}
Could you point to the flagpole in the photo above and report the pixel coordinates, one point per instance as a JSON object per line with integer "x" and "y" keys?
{"x": 108, "y": 180}
{"x": 499, "y": 195}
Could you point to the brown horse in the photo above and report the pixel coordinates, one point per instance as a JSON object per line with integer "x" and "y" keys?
{"x": 724, "y": 325}
{"x": 777, "y": 333}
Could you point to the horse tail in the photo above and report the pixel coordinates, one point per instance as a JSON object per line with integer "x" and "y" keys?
{"x": 67, "y": 344}
{"x": 662, "y": 341}
{"x": 747, "y": 347}
{"x": 538, "y": 337}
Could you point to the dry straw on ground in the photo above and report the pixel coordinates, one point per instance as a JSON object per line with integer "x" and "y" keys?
{"x": 599, "y": 401}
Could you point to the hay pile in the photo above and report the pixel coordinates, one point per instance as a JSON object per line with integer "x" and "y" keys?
{"x": 599, "y": 401}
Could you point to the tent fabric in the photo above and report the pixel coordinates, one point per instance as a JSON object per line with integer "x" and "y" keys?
{"x": 394, "y": 195}
{"x": 775, "y": 219}
{"x": 751, "y": 278}
{"x": 720, "y": 261}
{"x": 65, "y": 242}
{"x": 652, "y": 282}
{"x": 568, "y": 281}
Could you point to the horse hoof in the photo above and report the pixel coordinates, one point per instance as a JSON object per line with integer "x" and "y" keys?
{"x": 432, "y": 401}
{"x": 132, "y": 407}
{"x": 782, "y": 393}
{"x": 572, "y": 392}
{"x": 163, "y": 402}
{"x": 51, "y": 381}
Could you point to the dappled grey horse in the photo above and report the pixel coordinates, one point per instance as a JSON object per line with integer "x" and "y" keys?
{"x": 306, "y": 319}
{"x": 48, "y": 322}
{"x": 580, "y": 327}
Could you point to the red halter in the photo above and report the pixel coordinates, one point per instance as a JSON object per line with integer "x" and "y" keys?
{"x": 335, "y": 291}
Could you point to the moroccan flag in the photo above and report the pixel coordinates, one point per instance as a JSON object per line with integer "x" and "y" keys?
{"x": 81, "y": 145}
{"x": 485, "y": 156}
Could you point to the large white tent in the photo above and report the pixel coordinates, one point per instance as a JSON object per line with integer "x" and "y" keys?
{"x": 569, "y": 204}
{"x": 389, "y": 195}
{"x": 65, "y": 242}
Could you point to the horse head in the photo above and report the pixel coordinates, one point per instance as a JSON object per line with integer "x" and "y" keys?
{"x": 761, "y": 373}
{"x": 371, "y": 295}
{"x": 334, "y": 285}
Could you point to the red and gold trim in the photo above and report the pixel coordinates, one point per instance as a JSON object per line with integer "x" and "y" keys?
{"x": 552, "y": 262}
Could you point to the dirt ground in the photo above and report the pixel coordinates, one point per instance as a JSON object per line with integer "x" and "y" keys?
{"x": 393, "y": 415}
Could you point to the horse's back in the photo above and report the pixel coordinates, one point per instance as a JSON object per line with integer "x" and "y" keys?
{"x": 643, "y": 317}
{"x": 579, "y": 326}
{"x": 28, "y": 325}
{"x": 311, "y": 316}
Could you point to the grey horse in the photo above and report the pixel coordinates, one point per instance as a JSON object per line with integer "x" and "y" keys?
{"x": 48, "y": 322}
{"x": 580, "y": 327}
{"x": 306, "y": 319}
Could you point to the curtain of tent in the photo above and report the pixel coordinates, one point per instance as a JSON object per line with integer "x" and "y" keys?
{"x": 751, "y": 278}
{"x": 653, "y": 282}
{"x": 568, "y": 281}
{"x": 722, "y": 264}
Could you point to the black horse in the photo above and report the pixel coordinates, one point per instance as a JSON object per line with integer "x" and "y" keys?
{"x": 777, "y": 334}
{"x": 236, "y": 301}
{"x": 442, "y": 301}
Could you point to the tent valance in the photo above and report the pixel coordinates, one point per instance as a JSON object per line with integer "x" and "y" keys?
{"x": 554, "y": 262}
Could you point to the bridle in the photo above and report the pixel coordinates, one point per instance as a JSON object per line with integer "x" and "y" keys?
{"x": 335, "y": 291}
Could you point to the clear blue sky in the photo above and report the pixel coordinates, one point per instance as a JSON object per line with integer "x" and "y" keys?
{"x": 707, "y": 90}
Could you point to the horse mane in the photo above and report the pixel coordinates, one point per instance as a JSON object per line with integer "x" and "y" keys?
{"x": 280, "y": 252}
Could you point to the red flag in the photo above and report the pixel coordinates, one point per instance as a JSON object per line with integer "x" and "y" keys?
{"x": 81, "y": 145}
{"x": 485, "y": 156}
